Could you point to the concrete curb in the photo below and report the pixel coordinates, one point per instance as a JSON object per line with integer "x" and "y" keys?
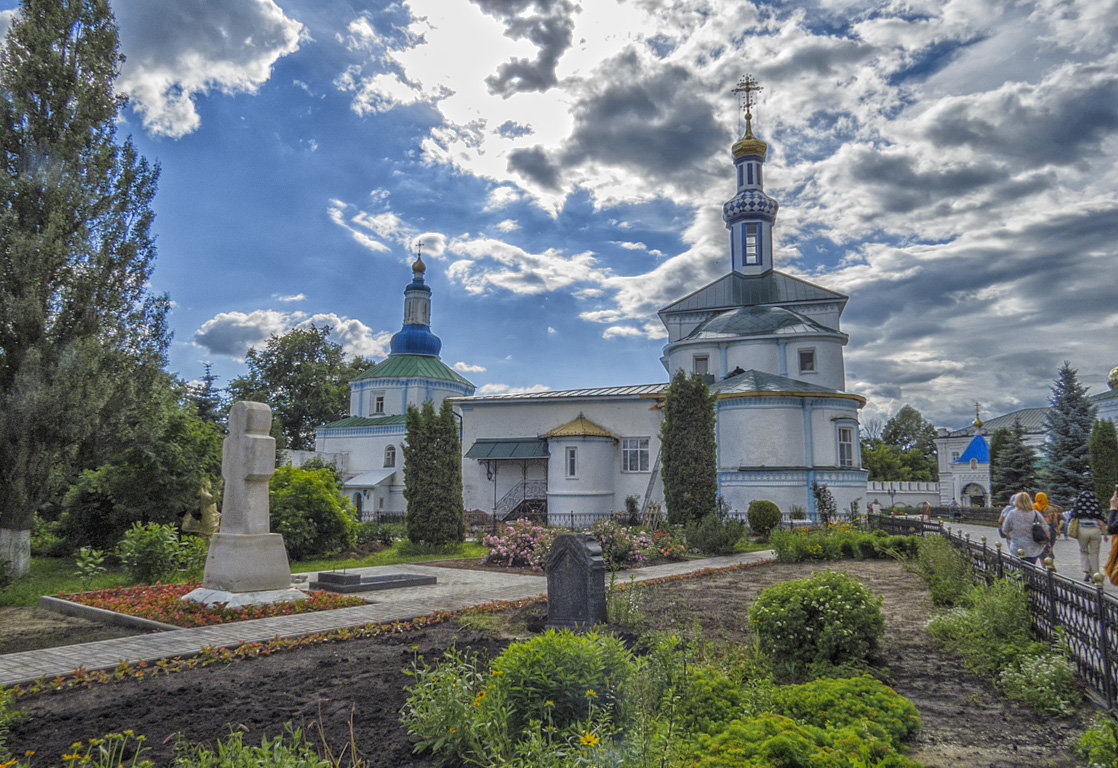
{"x": 100, "y": 615}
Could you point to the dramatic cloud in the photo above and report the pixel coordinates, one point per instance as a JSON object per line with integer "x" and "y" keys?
{"x": 490, "y": 263}
{"x": 177, "y": 51}
{"x": 234, "y": 333}
{"x": 547, "y": 24}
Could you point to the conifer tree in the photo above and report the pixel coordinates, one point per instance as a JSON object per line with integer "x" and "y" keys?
{"x": 688, "y": 450}
{"x": 1103, "y": 447}
{"x": 433, "y": 476}
{"x": 1016, "y": 467}
{"x": 206, "y": 397}
{"x": 80, "y": 336}
{"x": 1070, "y": 419}
{"x": 997, "y": 444}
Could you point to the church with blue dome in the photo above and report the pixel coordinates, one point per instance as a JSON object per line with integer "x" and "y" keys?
{"x": 367, "y": 445}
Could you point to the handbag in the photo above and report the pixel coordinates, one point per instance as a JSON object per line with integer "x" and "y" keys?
{"x": 1040, "y": 530}
{"x": 1112, "y": 522}
{"x": 1073, "y": 528}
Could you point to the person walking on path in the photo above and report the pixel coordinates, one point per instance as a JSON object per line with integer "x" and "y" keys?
{"x": 1052, "y": 517}
{"x": 1091, "y": 531}
{"x": 1112, "y": 561}
{"x": 1017, "y": 526}
{"x": 926, "y": 512}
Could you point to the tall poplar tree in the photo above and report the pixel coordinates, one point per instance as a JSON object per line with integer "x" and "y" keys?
{"x": 80, "y": 335}
{"x": 688, "y": 451}
{"x": 1103, "y": 447}
{"x": 1069, "y": 429}
{"x": 433, "y": 475}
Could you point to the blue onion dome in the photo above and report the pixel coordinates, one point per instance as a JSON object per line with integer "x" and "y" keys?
{"x": 750, "y": 203}
{"x": 415, "y": 339}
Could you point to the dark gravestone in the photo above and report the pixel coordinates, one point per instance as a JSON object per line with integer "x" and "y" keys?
{"x": 576, "y": 582}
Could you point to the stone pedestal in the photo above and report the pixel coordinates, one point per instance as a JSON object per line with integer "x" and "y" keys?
{"x": 576, "y": 582}
{"x": 246, "y": 569}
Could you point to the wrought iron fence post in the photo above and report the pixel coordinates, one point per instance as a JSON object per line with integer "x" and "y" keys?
{"x": 1001, "y": 568}
{"x": 1104, "y": 643}
{"x": 572, "y": 519}
{"x": 1050, "y": 595}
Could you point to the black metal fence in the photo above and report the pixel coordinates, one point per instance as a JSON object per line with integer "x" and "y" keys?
{"x": 1085, "y": 616}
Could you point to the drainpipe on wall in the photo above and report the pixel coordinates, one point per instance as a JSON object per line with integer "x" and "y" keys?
{"x": 809, "y": 455}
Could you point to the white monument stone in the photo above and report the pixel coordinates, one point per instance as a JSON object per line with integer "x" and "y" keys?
{"x": 246, "y": 565}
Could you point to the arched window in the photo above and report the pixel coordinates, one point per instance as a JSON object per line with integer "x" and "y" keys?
{"x": 358, "y": 504}
{"x": 390, "y": 456}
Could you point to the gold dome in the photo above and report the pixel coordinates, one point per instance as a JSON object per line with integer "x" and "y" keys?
{"x": 1112, "y": 378}
{"x": 750, "y": 144}
{"x": 418, "y": 267}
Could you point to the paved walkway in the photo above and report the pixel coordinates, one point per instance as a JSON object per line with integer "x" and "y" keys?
{"x": 1066, "y": 551}
{"x": 456, "y": 589}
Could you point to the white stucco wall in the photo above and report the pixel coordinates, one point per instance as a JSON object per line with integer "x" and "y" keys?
{"x": 398, "y": 395}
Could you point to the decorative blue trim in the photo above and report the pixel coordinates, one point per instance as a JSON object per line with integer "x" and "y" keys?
{"x": 443, "y": 384}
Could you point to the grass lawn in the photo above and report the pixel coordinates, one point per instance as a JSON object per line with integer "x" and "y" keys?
{"x": 51, "y": 575}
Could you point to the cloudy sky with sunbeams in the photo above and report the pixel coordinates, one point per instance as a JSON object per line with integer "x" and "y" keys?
{"x": 949, "y": 165}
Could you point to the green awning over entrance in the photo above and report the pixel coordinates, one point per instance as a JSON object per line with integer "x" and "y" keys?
{"x": 508, "y": 448}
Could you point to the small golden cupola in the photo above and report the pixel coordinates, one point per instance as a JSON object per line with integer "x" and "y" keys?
{"x": 748, "y": 144}
{"x": 750, "y": 213}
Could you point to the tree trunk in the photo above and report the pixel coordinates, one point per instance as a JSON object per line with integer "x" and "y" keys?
{"x": 15, "y": 551}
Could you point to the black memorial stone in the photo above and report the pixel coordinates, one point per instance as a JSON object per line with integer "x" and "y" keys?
{"x": 576, "y": 582}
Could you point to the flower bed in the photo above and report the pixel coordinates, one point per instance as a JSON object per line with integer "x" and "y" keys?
{"x": 161, "y": 602}
{"x": 523, "y": 543}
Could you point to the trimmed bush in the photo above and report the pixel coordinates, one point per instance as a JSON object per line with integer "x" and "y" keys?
{"x": 715, "y": 535}
{"x": 811, "y": 624}
{"x": 306, "y": 507}
{"x": 839, "y": 702}
{"x": 763, "y": 516}
{"x": 560, "y": 675}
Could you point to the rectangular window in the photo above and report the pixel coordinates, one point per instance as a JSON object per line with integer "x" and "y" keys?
{"x": 378, "y": 403}
{"x": 846, "y": 446}
{"x": 752, "y": 245}
{"x": 572, "y": 462}
{"x": 807, "y": 361}
{"x": 700, "y": 365}
{"x": 749, "y": 172}
{"x": 634, "y": 454}
{"x": 954, "y": 455}
{"x": 740, "y": 179}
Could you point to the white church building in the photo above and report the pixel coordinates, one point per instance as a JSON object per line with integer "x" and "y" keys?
{"x": 769, "y": 344}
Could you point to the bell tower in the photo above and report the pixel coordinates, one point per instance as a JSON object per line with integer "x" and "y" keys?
{"x": 749, "y": 214}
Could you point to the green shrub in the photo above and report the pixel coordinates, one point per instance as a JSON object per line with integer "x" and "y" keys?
{"x": 306, "y": 507}
{"x": 945, "y": 570}
{"x": 763, "y": 516}
{"x": 1045, "y": 681}
{"x": 775, "y": 741}
{"x": 88, "y": 565}
{"x": 383, "y": 533}
{"x": 149, "y": 552}
{"x": 715, "y": 535}
{"x": 841, "y": 702}
{"x": 1098, "y": 745}
{"x": 288, "y": 750}
{"x": 46, "y": 539}
{"x": 711, "y": 699}
{"x": 575, "y": 672}
{"x": 810, "y": 624}
{"x": 991, "y": 631}
{"x": 192, "y": 556}
{"x": 801, "y": 545}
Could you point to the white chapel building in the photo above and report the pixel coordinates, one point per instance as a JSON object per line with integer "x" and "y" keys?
{"x": 770, "y": 346}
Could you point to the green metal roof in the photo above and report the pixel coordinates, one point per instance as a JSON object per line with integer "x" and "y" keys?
{"x": 758, "y": 321}
{"x": 758, "y": 381}
{"x": 413, "y": 367}
{"x": 365, "y": 421}
{"x": 508, "y": 448}
{"x": 736, "y": 290}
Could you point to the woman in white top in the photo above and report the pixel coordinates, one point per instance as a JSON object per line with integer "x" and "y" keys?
{"x": 1018, "y": 528}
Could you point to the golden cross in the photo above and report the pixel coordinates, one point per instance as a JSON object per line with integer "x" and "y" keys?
{"x": 745, "y": 89}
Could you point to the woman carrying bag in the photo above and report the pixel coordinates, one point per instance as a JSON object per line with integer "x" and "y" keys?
{"x": 1025, "y": 528}
{"x": 1088, "y": 515}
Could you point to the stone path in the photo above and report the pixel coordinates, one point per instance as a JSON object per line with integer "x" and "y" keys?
{"x": 456, "y": 589}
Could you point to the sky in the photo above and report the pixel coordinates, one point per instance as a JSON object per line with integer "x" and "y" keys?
{"x": 948, "y": 165}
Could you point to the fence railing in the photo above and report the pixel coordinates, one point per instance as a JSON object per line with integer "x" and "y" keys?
{"x": 1083, "y": 614}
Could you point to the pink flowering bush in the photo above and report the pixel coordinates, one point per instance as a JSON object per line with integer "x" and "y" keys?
{"x": 621, "y": 546}
{"x": 521, "y": 543}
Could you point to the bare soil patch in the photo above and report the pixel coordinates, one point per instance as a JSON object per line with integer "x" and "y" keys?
{"x": 966, "y": 723}
{"x": 29, "y": 629}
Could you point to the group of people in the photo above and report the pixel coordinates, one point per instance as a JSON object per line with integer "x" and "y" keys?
{"x": 1085, "y": 522}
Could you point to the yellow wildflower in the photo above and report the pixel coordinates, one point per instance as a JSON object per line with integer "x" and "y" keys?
{"x": 590, "y": 692}
{"x": 589, "y": 739}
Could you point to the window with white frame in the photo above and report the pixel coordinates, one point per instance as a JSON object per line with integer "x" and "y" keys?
{"x": 846, "y": 446}
{"x": 634, "y": 454}
{"x": 390, "y": 456}
{"x": 752, "y": 255}
{"x": 572, "y": 461}
{"x": 700, "y": 365}
{"x": 807, "y": 361}
{"x": 378, "y": 402}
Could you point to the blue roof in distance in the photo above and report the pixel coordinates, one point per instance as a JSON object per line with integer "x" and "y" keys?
{"x": 977, "y": 449}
